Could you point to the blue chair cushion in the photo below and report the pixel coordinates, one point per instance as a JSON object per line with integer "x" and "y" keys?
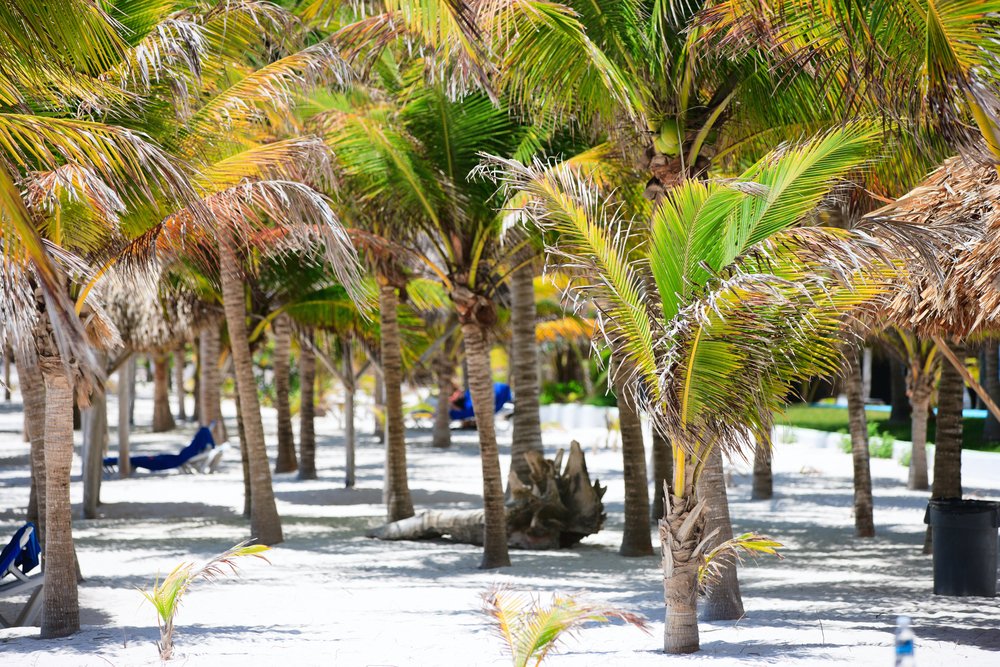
{"x": 25, "y": 559}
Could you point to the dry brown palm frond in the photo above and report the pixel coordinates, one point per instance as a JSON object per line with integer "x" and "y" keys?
{"x": 959, "y": 294}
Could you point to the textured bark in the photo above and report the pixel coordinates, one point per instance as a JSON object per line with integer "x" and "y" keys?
{"x": 864, "y": 524}
{"x": 196, "y": 413}
{"x": 163, "y": 418}
{"x": 477, "y": 356}
{"x": 282, "y": 330}
{"x": 307, "y": 410}
{"x": 663, "y": 467}
{"x": 95, "y": 442}
{"x": 179, "y": 382}
{"x": 349, "y": 389}
{"x": 557, "y": 509}
{"x": 948, "y": 439}
{"x": 763, "y": 479}
{"x": 8, "y": 354}
{"x": 921, "y": 403}
{"x": 399, "y": 505}
{"x": 527, "y": 426}
{"x": 126, "y": 385}
{"x": 991, "y": 383}
{"x": 679, "y": 535}
{"x": 636, "y": 540}
{"x": 722, "y": 601}
{"x": 901, "y": 408}
{"x": 444, "y": 369}
{"x": 210, "y": 384}
{"x": 378, "y": 414}
{"x": 265, "y": 524}
{"x": 244, "y": 463}
{"x": 33, "y": 394}
{"x": 60, "y": 610}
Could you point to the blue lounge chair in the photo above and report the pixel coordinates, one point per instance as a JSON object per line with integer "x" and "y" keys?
{"x": 192, "y": 458}
{"x": 501, "y": 397}
{"x": 21, "y": 555}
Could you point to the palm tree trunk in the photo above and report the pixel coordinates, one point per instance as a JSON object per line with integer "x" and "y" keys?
{"x": 663, "y": 467}
{"x": 179, "y": 381}
{"x": 61, "y": 609}
{"x": 282, "y": 330}
{"x": 723, "y": 601}
{"x": 33, "y": 395}
{"x": 265, "y": 524}
{"x": 477, "y": 356}
{"x": 991, "y": 383}
{"x": 349, "y": 389}
{"x": 678, "y": 539}
{"x": 636, "y": 540}
{"x": 399, "y": 505}
{"x": 8, "y": 354}
{"x": 378, "y": 414}
{"x": 126, "y": 375}
{"x": 163, "y": 418}
{"x": 94, "y": 443}
{"x": 948, "y": 452}
{"x": 307, "y": 409}
{"x": 444, "y": 369}
{"x": 864, "y": 524}
{"x": 901, "y": 408}
{"x": 527, "y": 427}
{"x": 196, "y": 413}
{"x": 763, "y": 479}
{"x": 244, "y": 463}
{"x": 920, "y": 401}
{"x": 210, "y": 385}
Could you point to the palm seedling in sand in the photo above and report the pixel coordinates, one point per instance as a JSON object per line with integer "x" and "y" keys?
{"x": 166, "y": 595}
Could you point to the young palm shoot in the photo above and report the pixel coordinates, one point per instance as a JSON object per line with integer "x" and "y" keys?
{"x": 531, "y": 630}
{"x": 167, "y": 594}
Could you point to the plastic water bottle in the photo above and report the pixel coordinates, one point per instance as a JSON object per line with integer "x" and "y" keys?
{"x": 904, "y": 643}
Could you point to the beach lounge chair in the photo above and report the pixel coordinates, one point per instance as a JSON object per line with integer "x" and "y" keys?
{"x": 196, "y": 457}
{"x": 501, "y": 398}
{"x": 20, "y": 556}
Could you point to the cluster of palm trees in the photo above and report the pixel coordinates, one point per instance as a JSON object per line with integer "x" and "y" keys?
{"x": 390, "y": 172}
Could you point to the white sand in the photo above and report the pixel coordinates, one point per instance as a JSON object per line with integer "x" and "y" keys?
{"x": 333, "y": 597}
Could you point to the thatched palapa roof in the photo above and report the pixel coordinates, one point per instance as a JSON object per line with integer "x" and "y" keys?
{"x": 958, "y": 293}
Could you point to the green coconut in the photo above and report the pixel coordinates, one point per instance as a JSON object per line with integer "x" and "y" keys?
{"x": 667, "y": 142}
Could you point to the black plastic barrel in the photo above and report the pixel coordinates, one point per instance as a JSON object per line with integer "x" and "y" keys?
{"x": 964, "y": 540}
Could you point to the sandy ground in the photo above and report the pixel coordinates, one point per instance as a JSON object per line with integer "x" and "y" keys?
{"x": 333, "y": 597}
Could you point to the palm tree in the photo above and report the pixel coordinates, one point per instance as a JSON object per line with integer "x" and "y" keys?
{"x": 722, "y": 336}
{"x": 921, "y": 360}
{"x": 864, "y": 525}
{"x": 282, "y": 330}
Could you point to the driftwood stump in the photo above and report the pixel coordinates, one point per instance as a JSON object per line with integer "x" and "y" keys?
{"x": 557, "y": 507}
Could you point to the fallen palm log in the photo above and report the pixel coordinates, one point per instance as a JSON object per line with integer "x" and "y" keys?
{"x": 556, "y": 507}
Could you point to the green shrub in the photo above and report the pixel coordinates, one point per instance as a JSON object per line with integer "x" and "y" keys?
{"x": 880, "y": 444}
{"x": 904, "y": 460}
{"x": 561, "y": 392}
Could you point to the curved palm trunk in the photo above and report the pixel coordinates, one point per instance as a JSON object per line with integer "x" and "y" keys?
{"x": 210, "y": 384}
{"x": 679, "y": 535}
{"x": 126, "y": 383}
{"x": 636, "y": 540}
{"x": 527, "y": 427}
{"x": 265, "y": 524}
{"x": 95, "y": 442}
{"x": 60, "y": 610}
{"x": 763, "y": 479}
{"x": 864, "y": 524}
{"x": 179, "y": 382}
{"x": 723, "y": 601}
{"x": 948, "y": 438}
{"x": 163, "y": 418}
{"x": 399, "y": 505}
{"x": 991, "y": 383}
{"x": 33, "y": 395}
{"x": 920, "y": 401}
{"x": 307, "y": 409}
{"x": 349, "y": 389}
{"x": 282, "y": 330}
{"x": 901, "y": 408}
{"x": 663, "y": 471}
{"x": 477, "y": 356}
{"x": 444, "y": 369}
